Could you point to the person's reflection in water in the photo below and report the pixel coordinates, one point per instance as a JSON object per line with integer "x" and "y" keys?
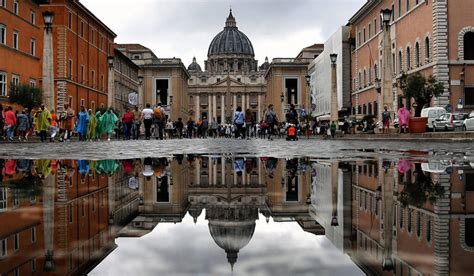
{"x": 239, "y": 165}
{"x": 270, "y": 166}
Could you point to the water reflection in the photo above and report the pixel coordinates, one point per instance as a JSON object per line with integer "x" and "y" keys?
{"x": 405, "y": 217}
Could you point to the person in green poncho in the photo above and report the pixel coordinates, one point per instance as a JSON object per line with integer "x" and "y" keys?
{"x": 92, "y": 126}
{"x": 43, "y": 120}
{"x": 98, "y": 127}
{"x": 108, "y": 123}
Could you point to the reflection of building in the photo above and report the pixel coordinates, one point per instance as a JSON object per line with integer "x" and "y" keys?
{"x": 230, "y": 77}
{"x": 440, "y": 233}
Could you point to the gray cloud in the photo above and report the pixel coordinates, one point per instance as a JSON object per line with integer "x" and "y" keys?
{"x": 184, "y": 28}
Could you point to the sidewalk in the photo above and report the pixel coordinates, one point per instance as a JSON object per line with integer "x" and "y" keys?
{"x": 464, "y": 137}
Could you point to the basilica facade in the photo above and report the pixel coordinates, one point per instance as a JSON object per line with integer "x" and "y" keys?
{"x": 231, "y": 78}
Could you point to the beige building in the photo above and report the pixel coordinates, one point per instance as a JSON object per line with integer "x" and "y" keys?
{"x": 164, "y": 80}
{"x": 231, "y": 78}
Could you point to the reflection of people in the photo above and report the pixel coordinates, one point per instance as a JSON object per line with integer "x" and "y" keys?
{"x": 271, "y": 166}
{"x": 148, "y": 168}
{"x": 239, "y": 165}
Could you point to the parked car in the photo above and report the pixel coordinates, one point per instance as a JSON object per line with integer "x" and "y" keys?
{"x": 469, "y": 122}
{"x": 449, "y": 121}
{"x": 432, "y": 113}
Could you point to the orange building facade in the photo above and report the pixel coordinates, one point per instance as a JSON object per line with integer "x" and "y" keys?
{"x": 430, "y": 37}
{"x": 20, "y": 44}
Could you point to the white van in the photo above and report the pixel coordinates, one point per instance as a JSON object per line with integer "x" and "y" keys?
{"x": 432, "y": 113}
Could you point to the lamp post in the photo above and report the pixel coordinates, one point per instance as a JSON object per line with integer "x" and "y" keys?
{"x": 334, "y": 100}
{"x": 48, "y": 68}
{"x": 111, "y": 88}
{"x": 387, "y": 94}
{"x": 140, "y": 90}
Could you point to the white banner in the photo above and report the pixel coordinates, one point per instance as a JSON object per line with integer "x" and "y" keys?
{"x": 133, "y": 98}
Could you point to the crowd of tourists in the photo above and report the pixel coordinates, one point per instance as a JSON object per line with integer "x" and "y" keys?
{"x": 149, "y": 123}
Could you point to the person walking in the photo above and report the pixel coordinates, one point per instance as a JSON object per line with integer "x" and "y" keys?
{"x": 403, "y": 116}
{"x": 137, "y": 122}
{"x": 249, "y": 121}
{"x": 127, "y": 120}
{"x": 92, "y": 126}
{"x": 108, "y": 121}
{"x": 179, "y": 127}
{"x": 23, "y": 124}
{"x": 214, "y": 127}
{"x": 239, "y": 120}
{"x": 82, "y": 124}
{"x": 271, "y": 120}
{"x": 159, "y": 120}
{"x": 204, "y": 128}
{"x": 43, "y": 117}
{"x": 386, "y": 118}
{"x": 169, "y": 129}
{"x": 10, "y": 123}
{"x": 292, "y": 116}
{"x": 333, "y": 128}
{"x": 147, "y": 118}
{"x": 54, "y": 126}
{"x": 67, "y": 122}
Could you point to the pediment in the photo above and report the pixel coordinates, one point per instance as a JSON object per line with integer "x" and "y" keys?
{"x": 223, "y": 83}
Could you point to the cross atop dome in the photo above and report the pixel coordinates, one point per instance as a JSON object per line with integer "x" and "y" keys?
{"x": 230, "y": 22}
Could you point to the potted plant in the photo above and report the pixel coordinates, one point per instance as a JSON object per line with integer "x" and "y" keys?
{"x": 421, "y": 90}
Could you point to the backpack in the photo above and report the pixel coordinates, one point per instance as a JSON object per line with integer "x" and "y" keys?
{"x": 157, "y": 113}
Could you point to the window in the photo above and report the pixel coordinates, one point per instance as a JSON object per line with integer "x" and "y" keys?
{"x": 33, "y": 264}
{"x": 3, "y": 3}
{"x": 408, "y": 58}
{"x": 469, "y": 230}
{"x": 364, "y": 111}
{"x": 400, "y": 61}
{"x": 93, "y": 78}
{"x": 33, "y": 235}
{"x": 417, "y": 54}
{"x": 4, "y": 248}
{"x": 427, "y": 50}
{"x": 71, "y": 213}
{"x": 428, "y": 229}
{"x": 82, "y": 73}
{"x": 376, "y": 110}
{"x": 32, "y": 83}
{"x": 69, "y": 68}
{"x": 82, "y": 102}
{"x": 370, "y": 74}
{"x": 360, "y": 80}
{"x": 370, "y": 30}
{"x": 15, "y": 7}
{"x": 365, "y": 78}
{"x": 410, "y": 216}
{"x": 16, "y": 242}
{"x": 375, "y": 26}
{"x": 359, "y": 39}
{"x": 469, "y": 46}
{"x": 136, "y": 57}
{"x": 15, "y": 40}
{"x": 3, "y": 92}
{"x": 399, "y": 8}
{"x": 364, "y": 36}
{"x": 69, "y": 24}
{"x": 408, "y": 5}
{"x": 370, "y": 113}
{"x": 82, "y": 29}
{"x": 15, "y": 80}
{"x": 92, "y": 37}
{"x": 469, "y": 96}
{"x": 70, "y": 100}
{"x": 33, "y": 17}
{"x": 32, "y": 47}
{"x": 418, "y": 224}
{"x": 376, "y": 72}
{"x": 3, "y": 34}
{"x": 401, "y": 216}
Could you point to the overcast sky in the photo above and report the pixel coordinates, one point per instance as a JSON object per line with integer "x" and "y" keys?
{"x": 185, "y": 28}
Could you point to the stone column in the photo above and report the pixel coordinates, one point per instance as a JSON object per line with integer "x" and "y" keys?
{"x": 111, "y": 88}
{"x": 48, "y": 69}
{"x": 214, "y": 106}
{"x": 243, "y": 102}
{"x": 259, "y": 107}
{"x": 387, "y": 93}
{"x": 198, "y": 106}
{"x": 234, "y": 106}
{"x": 334, "y": 101}
{"x": 247, "y": 103}
{"x": 222, "y": 109}
{"x": 223, "y": 170}
{"x": 48, "y": 216}
{"x": 209, "y": 107}
{"x": 334, "y": 192}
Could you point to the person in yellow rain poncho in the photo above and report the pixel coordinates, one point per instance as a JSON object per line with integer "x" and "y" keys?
{"x": 43, "y": 122}
{"x": 91, "y": 134}
{"x": 42, "y": 168}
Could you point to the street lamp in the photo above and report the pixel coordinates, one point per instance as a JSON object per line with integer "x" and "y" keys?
{"x": 140, "y": 80}
{"x": 171, "y": 100}
{"x": 282, "y": 97}
{"x": 334, "y": 100}
{"x": 48, "y": 18}
{"x": 140, "y": 89}
{"x": 386, "y": 83}
{"x": 110, "y": 61}
{"x": 308, "y": 78}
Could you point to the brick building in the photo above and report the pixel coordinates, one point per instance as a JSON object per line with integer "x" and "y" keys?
{"x": 20, "y": 44}
{"x": 431, "y": 37}
{"x": 81, "y": 45}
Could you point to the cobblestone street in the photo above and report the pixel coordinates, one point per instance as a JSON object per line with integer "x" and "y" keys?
{"x": 333, "y": 149}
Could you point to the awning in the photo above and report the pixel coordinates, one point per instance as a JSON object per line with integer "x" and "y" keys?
{"x": 324, "y": 118}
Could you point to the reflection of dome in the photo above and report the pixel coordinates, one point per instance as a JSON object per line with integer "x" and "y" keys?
{"x": 195, "y": 213}
{"x": 194, "y": 66}
{"x": 231, "y": 41}
{"x": 232, "y": 236}
{"x": 232, "y": 229}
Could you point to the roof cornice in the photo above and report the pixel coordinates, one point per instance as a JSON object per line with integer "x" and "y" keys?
{"x": 363, "y": 10}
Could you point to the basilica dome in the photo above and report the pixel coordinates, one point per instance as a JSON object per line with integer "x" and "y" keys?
{"x": 231, "y": 41}
{"x": 194, "y": 66}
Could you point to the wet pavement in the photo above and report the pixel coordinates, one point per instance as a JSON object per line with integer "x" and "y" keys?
{"x": 237, "y": 207}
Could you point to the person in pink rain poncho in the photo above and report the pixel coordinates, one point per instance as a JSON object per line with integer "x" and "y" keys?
{"x": 403, "y": 119}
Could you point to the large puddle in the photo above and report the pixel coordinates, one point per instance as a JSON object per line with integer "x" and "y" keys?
{"x": 238, "y": 214}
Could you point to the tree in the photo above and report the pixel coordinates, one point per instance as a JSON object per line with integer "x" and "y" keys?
{"x": 25, "y": 95}
{"x": 420, "y": 89}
